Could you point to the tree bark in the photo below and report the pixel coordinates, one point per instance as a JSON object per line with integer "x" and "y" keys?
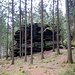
{"x": 74, "y": 25}
{"x": 68, "y": 33}
{"x": 7, "y": 32}
{"x": 20, "y": 29}
{"x": 25, "y": 30}
{"x": 58, "y": 51}
{"x": 42, "y": 56}
{"x": 31, "y": 35}
{"x": 53, "y": 26}
{"x": 0, "y": 49}
{"x": 12, "y": 32}
{"x": 7, "y": 44}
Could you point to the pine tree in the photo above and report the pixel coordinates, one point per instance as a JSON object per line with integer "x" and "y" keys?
{"x": 58, "y": 51}
{"x": 12, "y": 32}
{"x": 7, "y": 32}
{"x": 31, "y": 35}
{"x": 68, "y": 33}
{"x": 53, "y": 25}
{"x": 42, "y": 56}
{"x": 20, "y": 28}
{"x": 25, "y": 30}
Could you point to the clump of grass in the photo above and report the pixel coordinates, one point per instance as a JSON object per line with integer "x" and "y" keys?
{"x": 1, "y": 63}
{"x": 57, "y": 63}
{"x": 12, "y": 72}
{"x": 74, "y": 69}
{"x": 48, "y": 60}
{"x": 46, "y": 71}
{"x": 21, "y": 66}
{"x": 20, "y": 69}
{"x": 36, "y": 67}
{"x": 67, "y": 72}
{"x": 8, "y": 62}
{"x": 73, "y": 53}
{"x": 23, "y": 71}
{"x": 30, "y": 67}
{"x": 65, "y": 62}
{"x": 51, "y": 59}
{"x": 42, "y": 66}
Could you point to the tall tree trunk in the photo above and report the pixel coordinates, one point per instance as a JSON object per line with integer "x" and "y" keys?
{"x": 22, "y": 36}
{"x": 7, "y": 32}
{"x": 12, "y": 32}
{"x": 58, "y": 51}
{"x": 25, "y": 30}
{"x": 1, "y": 34}
{"x": 74, "y": 25}
{"x": 0, "y": 49}
{"x": 68, "y": 33}
{"x": 20, "y": 29}
{"x": 42, "y": 56}
{"x": 31, "y": 35}
{"x": 7, "y": 44}
{"x": 53, "y": 26}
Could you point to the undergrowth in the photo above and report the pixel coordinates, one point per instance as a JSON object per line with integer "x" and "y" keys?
{"x": 67, "y": 72}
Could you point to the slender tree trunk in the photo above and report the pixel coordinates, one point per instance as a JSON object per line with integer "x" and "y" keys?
{"x": 68, "y": 33}
{"x": 7, "y": 32}
{"x": 0, "y": 49}
{"x": 58, "y": 51}
{"x": 74, "y": 25}
{"x": 31, "y": 35}
{"x": 25, "y": 30}
{"x": 22, "y": 36}
{"x": 20, "y": 29}
{"x": 0, "y": 25}
{"x": 12, "y": 32}
{"x": 53, "y": 26}
{"x": 42, "y": 56}
{"x": 7, "y": 44}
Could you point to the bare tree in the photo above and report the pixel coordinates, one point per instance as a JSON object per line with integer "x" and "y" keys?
{"x": 58, "y": 51}
{"x": 31, "y": 35}
{"x": 12, "y": 32}
{"x": 25, "y": 30}
{"x": 42, "y": 56}
{"x": 68, "y": 33}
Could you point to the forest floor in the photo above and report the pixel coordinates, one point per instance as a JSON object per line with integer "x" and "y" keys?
{"x": 53, "y": 64}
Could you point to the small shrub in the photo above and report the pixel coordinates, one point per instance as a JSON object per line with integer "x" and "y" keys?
{"x": 65, "y": 43}
{"x": 74, "y": 70}
{"x": 21, "y": 66}
{"x": 73, "y": 43}
{"x": 23, "y": 71}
